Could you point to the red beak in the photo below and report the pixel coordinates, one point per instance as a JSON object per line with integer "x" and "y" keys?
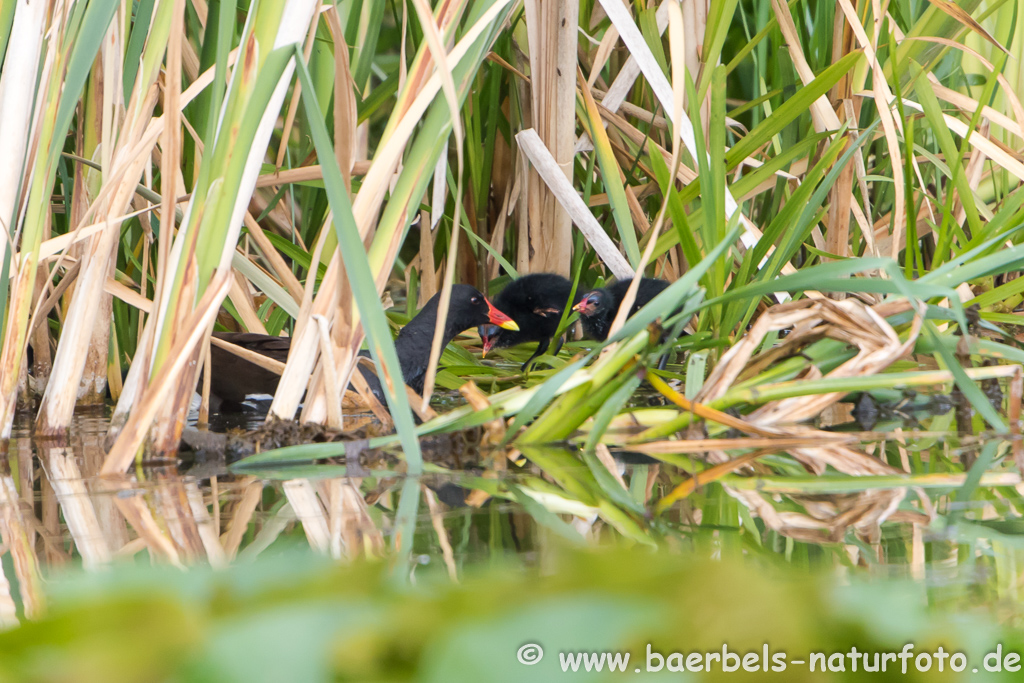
{"x": 500, "y": 319}
{"x": 488, "y": 345}
{"x": 585, "y": 306}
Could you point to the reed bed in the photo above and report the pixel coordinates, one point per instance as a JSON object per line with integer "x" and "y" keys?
{"x": 832, "y": 190}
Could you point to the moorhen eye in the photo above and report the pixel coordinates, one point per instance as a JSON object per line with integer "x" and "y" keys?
{"x": 475, "y": 300}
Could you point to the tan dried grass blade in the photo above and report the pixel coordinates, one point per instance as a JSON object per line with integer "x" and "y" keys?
{"x": 883, "y": 98}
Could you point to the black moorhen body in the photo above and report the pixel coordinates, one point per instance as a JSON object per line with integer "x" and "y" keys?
{"x": 598, "y": 308}
{"x": 535, "y": 302}
{"x": 232, "y": 378}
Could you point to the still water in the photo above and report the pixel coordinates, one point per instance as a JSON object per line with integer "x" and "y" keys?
{"x": 958, "y": 535}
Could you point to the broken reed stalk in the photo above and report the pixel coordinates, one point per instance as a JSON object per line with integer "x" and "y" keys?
{"x": 545, "y": 240}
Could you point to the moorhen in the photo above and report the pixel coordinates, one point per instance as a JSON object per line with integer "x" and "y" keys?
{"x": 535, "y": 302}
{"x": 233, "y": 379}
{"x": 598, "y": 307}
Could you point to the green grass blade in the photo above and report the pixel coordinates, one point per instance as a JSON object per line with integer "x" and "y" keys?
{"x": 378, "y": 333}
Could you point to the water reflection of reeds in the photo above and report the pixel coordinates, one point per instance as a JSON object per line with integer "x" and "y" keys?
{"x": 56, "y": 511}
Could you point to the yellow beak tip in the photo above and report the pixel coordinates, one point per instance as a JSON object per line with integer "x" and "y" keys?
{"x": 510, "y": 325}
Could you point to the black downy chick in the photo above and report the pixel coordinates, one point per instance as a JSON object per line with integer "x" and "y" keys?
{"x": 599, "y": 307}
{"x": 535, "y": 302}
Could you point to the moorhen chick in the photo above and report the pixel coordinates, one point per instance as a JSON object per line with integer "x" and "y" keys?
{"x": 598, "y": 307}
{"x": 535, "y": 302}
{"x": 233, "y": 379}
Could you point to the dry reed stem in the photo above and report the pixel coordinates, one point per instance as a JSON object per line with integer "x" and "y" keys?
{"x": 433, "y": 40}
{"x": 354, "y": 519}
{"x": 437, "y": 521}
{"x": 272, "y": 528}
{"x": 293, "y": 105}
{"x": 243, "y": 303}
{"x": 302, "y": 355}
{"x": 634, "y": 41}
{"x": 208, "y": 532}
{"x": 14, "y": 533}
{"x": 274, "y": 258}
{"x": 684, "y": 173}
{"x": 706, "y": 412}
{"x": 605, "y": 456}
{"x": 110, "y": 108}
{"x": 134, "y": 382}
{"x": 241, "y": 514}
{"x": 176, "y": 309}
{"x": 678, "y": 54}
{"x": 419, "y": 406}
{"x": 346, "y": 119}
{"x": 1016, "y": 398}
{"x": 548, "y": 170}
{"x": 428, "y": 281}
{"x": 709, "y": 475}
{"x": 8, "y": 611}
{"x": 77, "y": 505}
{"x": 388, "y": 156}
{"x": 883, "y": 97}
{"x": 131, "y": 435}
{"x": 171, "y": 503}
{"x": 129, "y": 296}
{"x": 368, "y": 398}
{"x": 259, "y": 359}
{"x": 138, "y": 515}
{"x": 478, "y": 400}
{"x": 332, "y": 390}
{"x": 11, "y": 354}
{"x": 17, "y": 92}
{"x": 822, "y": 115}
{"x": 74, "y": 348}
{"x": 55, "y": 557}
{"x": 304, "y": 174}
{"x": 552, "y": 30}
{"x": 638, "y": 48}
{"x": 310, "y": 512}
{"x": 709, "y": 445}
{"x": 624, "y": 79}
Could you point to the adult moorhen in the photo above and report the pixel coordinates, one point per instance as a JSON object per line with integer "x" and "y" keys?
{"x": 535, "y": 302}
{"x": 233, "y": 379}
{"x": 598, "y": 307}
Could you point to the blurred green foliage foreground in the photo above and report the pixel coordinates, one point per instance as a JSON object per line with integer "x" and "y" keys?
{"x": 296, "y": 617}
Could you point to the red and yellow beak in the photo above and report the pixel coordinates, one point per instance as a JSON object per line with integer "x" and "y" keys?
{"x": 500, "y": 319}
{"x": 586, "y": 306}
